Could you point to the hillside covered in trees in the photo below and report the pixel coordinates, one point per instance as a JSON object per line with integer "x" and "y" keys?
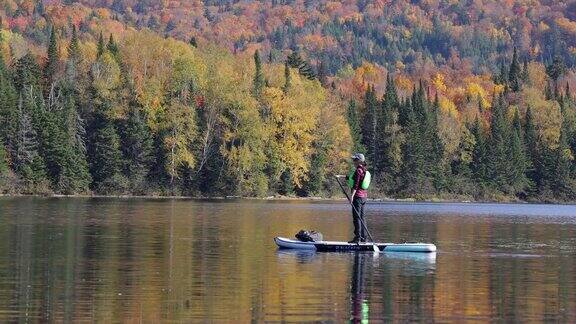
{"x": 455, "y": 99}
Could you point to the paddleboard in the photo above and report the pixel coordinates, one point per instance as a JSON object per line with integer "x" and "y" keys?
{"x": 334, "y": 246}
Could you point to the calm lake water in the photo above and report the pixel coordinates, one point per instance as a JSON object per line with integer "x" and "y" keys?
{"x": 136, "y": 260}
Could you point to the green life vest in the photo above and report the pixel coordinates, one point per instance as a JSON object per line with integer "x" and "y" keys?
{"x": 365, "y": 182}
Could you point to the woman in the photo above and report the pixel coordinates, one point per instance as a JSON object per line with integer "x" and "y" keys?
{"x": 358, "y": 196}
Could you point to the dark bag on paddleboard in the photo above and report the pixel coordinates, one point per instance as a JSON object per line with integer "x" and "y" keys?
{"x": 309, "y": 236}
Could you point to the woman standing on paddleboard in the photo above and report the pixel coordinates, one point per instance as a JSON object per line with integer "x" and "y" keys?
{"x": 358, "y": 181}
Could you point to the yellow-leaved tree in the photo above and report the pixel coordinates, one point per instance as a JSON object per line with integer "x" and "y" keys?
{"x": 231, "y": 111}
{"x": 166, "y": 74}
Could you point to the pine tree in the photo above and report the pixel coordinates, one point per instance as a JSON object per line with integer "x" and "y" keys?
{"x": 27, "y": 161}
{"x": 103, "y": 149}
{"x": 26, "y": 73}
{"x": 137, "y": 149}
{"x": 74, "y": 47}
{"x": 101, "y": 46}
{"x": 52, "y": 62}
{"x": 562, "y": 183}
{"x": 259, "y": 82}
{"x": 370, "y": 123}
{"x": 532, "y": 150}
{"x": 74, "y": 176}
{"x": 287, "y": 78}
{"x": 414, "y": 156}
{"x": 304, "y": 68}
{"x": 505, "y": 173}
{"x": 519, "y": 160}
{"x": 390, "y": 140}
{"x": 502, "y": 77}
{"x": 354, "y": 125}
{"x": 514, "y": 73}
{"x": 104, "y": 155}
{"x": 556, "y": 69}
{"x": 8, "y": 109}
{"x": 65, "y": 168}
{"x": 480, "y": 155}
{"x": 497, "y": 147}
{"x": 112, "y": 47}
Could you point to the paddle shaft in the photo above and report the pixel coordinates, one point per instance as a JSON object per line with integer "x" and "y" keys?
{"x": 355, "y": 210}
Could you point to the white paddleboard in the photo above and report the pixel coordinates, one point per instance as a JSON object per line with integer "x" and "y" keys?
{"x": 334, "y": 246}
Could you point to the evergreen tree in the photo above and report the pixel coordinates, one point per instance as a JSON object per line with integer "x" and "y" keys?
{"x": 101, "y": 47}
{"x": 287, "y": 78}
{"x": 520, "y": 163}
{"x": 75, "y": 174}
{"x": 414, "y": 156}
{"x": 502, "y": 78}
{"x": 532, "y": 150}
{"x": 8, "y": 109}
{"x": 304, "y": 68}
{"x": 354, "y": 125}
{"x": 390, "y": 140}
{"x": 26, "y": 160}
{"x": 515, "y": 73}
{"x": 104, "y": 155}
{"x": 65, "y": 168}
{"x": 26, "y": 73}
{"x": 556, "y": 69}
{"x": 259, "y": 82}
{"x": 137, "y": 149}
{"x": 562, "y": 184}
{"x": 112, "y": 47}
{"x": 370, "y": 123}
{"x": 74, "y": 47}
{"x": 498, "y": 166}
{"x": 52, "y": 62}
{"x": 480, "y": 155}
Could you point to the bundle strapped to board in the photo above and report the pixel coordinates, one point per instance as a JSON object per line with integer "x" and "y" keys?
{"x": 309, "y": 236}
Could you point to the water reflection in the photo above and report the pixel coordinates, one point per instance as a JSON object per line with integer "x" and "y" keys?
{"x": 114, "y": 260}
{"x": 360, "y": 309}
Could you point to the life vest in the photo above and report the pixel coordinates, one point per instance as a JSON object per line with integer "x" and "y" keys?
{"x": 365, "y": 182}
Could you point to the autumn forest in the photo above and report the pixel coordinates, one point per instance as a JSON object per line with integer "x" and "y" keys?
{"x": 468, "y": 100}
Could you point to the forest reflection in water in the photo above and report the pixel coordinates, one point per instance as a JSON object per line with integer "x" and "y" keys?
{"x": 113, "y": 260}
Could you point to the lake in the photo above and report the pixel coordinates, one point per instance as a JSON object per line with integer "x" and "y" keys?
{"x": 152, "y": 260}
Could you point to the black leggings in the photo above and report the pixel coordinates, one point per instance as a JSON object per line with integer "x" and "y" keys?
{"x": 359, "y": 232}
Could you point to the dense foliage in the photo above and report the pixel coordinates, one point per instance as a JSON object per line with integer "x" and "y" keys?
{"x": 154, "y": 115}
{"x": 464, "y": 99}
{"x": 420, "y": 146}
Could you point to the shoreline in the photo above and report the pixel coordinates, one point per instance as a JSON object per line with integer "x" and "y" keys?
{"x": 289, "y": 198}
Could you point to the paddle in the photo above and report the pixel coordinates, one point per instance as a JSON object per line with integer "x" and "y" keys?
{"x": 374, "y": 246}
